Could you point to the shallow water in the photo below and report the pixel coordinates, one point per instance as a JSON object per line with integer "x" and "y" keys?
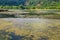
{"x": 32, "y": 26}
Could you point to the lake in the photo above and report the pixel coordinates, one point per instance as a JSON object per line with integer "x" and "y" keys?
{"x": 30, "y": 29}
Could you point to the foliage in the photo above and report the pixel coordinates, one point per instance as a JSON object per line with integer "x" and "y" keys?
{"x": 30, "y": 4}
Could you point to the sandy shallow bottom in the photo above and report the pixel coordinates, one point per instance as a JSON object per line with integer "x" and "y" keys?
{"x": 29, "y": 29}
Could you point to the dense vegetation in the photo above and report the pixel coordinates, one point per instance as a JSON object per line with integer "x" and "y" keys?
{"x": 30, "y": 4}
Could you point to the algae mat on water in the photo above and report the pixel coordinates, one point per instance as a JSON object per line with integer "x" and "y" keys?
{"x": 29, "y": 29}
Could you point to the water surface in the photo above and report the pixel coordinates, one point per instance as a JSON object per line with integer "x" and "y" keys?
{"x": 31, "y": 28}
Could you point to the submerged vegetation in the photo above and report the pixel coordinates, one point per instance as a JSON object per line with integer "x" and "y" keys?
{"x": 38, "y": 31}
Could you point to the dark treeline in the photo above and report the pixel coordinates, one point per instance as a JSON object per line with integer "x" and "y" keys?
{"x": 30, "y": 4}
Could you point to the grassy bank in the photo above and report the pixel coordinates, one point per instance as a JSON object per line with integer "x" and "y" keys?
{"x": 31, "y": 13}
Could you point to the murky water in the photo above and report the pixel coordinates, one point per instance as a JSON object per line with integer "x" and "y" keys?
{"x": 33, "y": 26}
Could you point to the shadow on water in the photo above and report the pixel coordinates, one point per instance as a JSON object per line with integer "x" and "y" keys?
{"x": 12, "y": 36}
{"x": 7, "y": 16}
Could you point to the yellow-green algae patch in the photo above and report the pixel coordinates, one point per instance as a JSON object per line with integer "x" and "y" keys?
{"x": 38, "y": 30}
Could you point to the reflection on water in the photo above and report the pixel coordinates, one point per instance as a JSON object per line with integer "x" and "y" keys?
{"x": 29, "y": 29}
